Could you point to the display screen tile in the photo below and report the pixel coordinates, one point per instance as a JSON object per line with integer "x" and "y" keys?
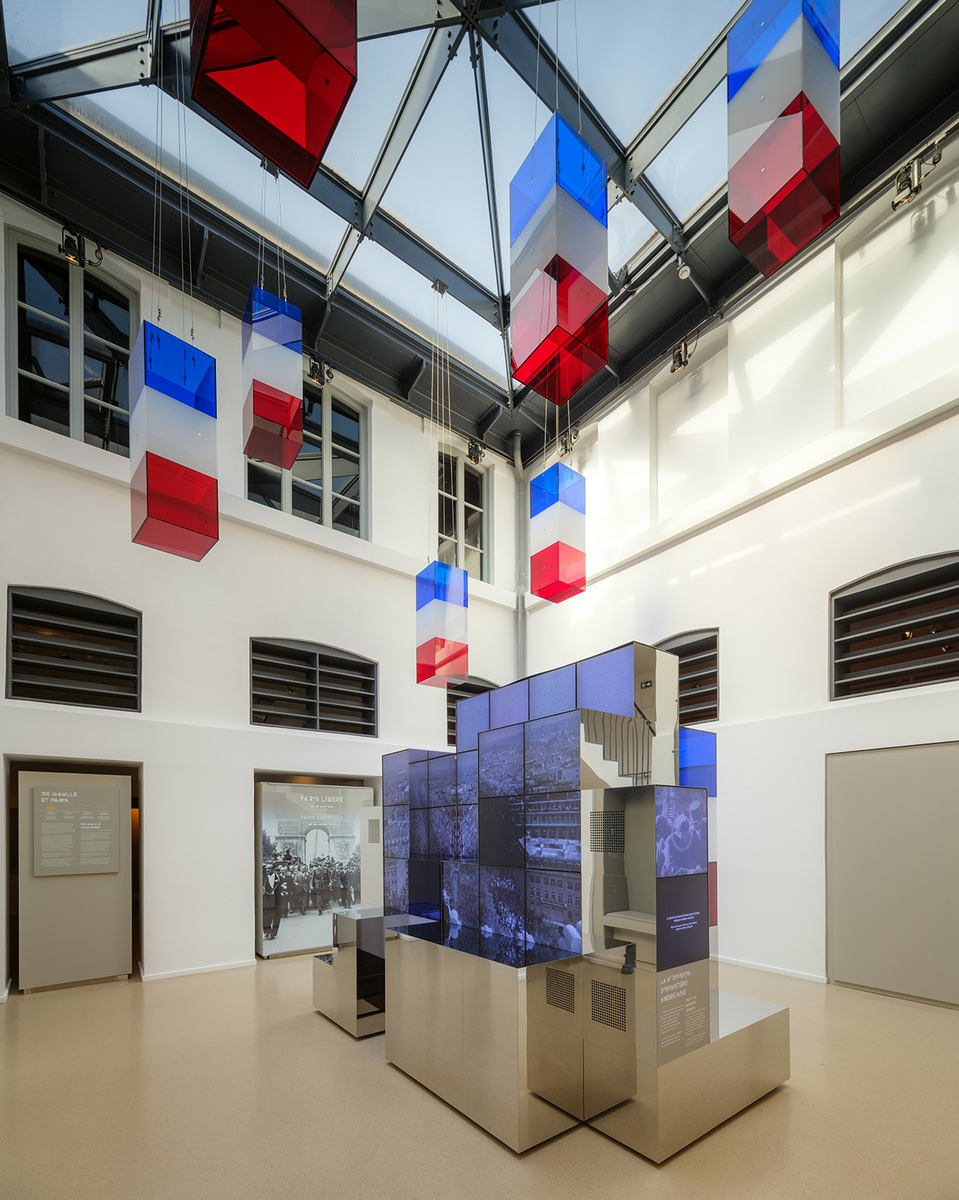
{"x": 553, "y": 831}
{"x": 503, "y": 901}
{"x": 681, "y": 836}
{"x": 472, "y": 717}
{"x": 467, "y": 833}
{"x": 552, "y": 754}
{"x": 396, "y": 831}
{"x": 501, "y": 762}
{"x": 552, "y": 692}
{"x": 419, "y": 755}
{"x": 461, "y": 894}
{"x": 509, "y": 705}
{"x": 554, "y": 909}
{"x": 442, "y": 780}
{"x": 419, "y": 833}
{"x": 467, "y": 777}
{"x": 502, "y": 830}
{"x": 419, "y": 784}
{"x": 425, "y": 891}
{"x": 682, "y": 920}
{"x": 396, "y": 778}
{"x": 442, "y": 833}
{"x": 605, "y": 683}
{"x": 396, "y": 884}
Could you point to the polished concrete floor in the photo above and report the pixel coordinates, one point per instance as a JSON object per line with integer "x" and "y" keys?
{"x": 228, "y": 1085}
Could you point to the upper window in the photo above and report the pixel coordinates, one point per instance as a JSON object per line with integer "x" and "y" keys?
{"x": 698, "y": 654}
{"x": 304, "y": 686}
{"x": 73, "y": 351}
{"x": 897, "y": 629}
{"x": 69, "y": 648}
{"x": 325, "y": 483}
{"x": 461, "y": 509}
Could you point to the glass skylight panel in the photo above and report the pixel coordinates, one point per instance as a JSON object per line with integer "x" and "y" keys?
{"x": 631, "y": 54}
{"x": 384, "y": 67}
{"x": 439, "y": 189}
{"x": 692, "y": 165}
{"x": 221, "y": 171}
{"x": 406, "y": 296}
{"x": 860, "y": 20}
{"x": 37, "y": 28}
{"x": 629, "y": 230}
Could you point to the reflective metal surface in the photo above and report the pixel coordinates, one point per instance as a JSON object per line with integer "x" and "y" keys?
{"x": 457, "y": 1024}
{"x": 349, "y": 985}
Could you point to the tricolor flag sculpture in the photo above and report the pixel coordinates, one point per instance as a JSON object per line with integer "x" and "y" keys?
{"x": 173, "y": 445}
{"x": 783, "y": 111}
{"x": 559, "y": 264}
{"x": 557, "y": 534}
{"x": 272, "y": 379}
{"x": 276, "y": 72}
{"x": 441, "y": 608}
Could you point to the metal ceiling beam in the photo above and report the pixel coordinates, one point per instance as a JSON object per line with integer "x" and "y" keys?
{"x": 99, "y": 67}
{"x": 482, "y": 106}
{"x": 439, "y": 50}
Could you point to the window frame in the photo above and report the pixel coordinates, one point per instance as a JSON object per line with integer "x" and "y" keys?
{"x": 328, "y": 394}
{"x": 16, "y": 239}
{"x": 461, "y": 463}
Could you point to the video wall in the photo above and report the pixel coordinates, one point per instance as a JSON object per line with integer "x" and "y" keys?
{"x": 489, "y": 839}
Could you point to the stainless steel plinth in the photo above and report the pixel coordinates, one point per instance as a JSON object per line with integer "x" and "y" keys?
{"x": 349, "y": 984}
{"x": 457, "y": 1024}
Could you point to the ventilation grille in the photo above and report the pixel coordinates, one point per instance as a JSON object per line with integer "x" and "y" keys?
{"x": 607, "y": 832}
{"x": 897, "y": 630}
{"x": 67, "y": 648}
{"x": 373, "y": 834}
{"x": 472, "y": 687}
{"x": 698, "y": 655}
{"x": 560, "y": 990}
{"x": 301, "y": 686}
{"x": 608, "y": 1004}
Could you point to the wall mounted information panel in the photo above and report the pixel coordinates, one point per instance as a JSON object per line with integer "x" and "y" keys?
{"x": 76, "y": 831}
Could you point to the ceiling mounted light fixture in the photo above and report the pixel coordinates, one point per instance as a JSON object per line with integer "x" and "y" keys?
{"x": 909, "y": 178}
{"x": 680, "y": 358}
{"x": 682, "y": 268}
{"x": 74, "y": 248}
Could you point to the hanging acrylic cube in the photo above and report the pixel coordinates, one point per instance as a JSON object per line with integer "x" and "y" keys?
{"x": 173, "y": 445}
{"x": 557, "y": 534}
{"x": 559, "y": 275}
{"x": 272, "y": 379}
{"x": 276, "y": 72}
{"x": 442, "y": 597}
{"x": 783, "y": 118}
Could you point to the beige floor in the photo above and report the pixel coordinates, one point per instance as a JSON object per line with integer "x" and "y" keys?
{"x": 228, "y": 1085}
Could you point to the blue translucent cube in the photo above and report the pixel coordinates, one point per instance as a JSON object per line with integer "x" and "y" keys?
{"x": 558, "y": 484}
{"x": 178, "y": 369}
{"x": 560, "y": 157}
{"x": 763, "y": 24}
{"x": 697, "y": 759}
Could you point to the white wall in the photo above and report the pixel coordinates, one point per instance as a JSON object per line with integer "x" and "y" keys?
{"x": 812, "y": 440}
{"x": 66, "y": 524}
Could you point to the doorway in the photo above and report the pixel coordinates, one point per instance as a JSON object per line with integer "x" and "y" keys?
{"x": 892, "y": 888}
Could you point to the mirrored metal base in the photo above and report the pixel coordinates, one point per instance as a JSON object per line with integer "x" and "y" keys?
{"x": 652, "y": 1059}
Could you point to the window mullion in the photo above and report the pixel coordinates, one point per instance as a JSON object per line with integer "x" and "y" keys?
{"x": 460, "y": 513}
{"x": 76, "y": 352}
{"x": 286, "y": 489}
{"x": 326, "y": 456}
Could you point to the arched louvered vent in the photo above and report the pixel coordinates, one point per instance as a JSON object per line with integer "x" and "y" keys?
{"x": 300, "y": 685}
{"x": 698, "y": 654}
{"x": 70, "y": 648}
{"x": 897, "y": 629}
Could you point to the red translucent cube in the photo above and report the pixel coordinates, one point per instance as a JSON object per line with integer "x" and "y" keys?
{"x": 557, "y": 572}
{"x": 440, "y": 662}
{"x": 278, "y": 74}
{"x": 174, "y": 508}
{"x": 559, "y": 330}
{"x": 784, "y": 191}
{"x": 273, "y": 425}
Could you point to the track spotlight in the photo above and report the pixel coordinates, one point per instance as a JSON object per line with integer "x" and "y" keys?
{"x": 682, "y": 268}
{"x": 74, "y": 248}
{"x": 909, "y": 179}
{"x": 680, "y": 358}
{"x": 475, "y": 452}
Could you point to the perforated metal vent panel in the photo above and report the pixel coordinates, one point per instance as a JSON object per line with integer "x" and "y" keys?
{"x": 374, "y": 831}
{"x": 608, "y": 1005}
{"x": 607, "y": 832}
{"x": 560, "y": 990}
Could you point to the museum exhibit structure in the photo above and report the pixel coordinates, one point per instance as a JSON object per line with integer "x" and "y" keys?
{"x": 559, "y": 969}
{"x": 311, "y": 842}
{"x": 557, "y": 533}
